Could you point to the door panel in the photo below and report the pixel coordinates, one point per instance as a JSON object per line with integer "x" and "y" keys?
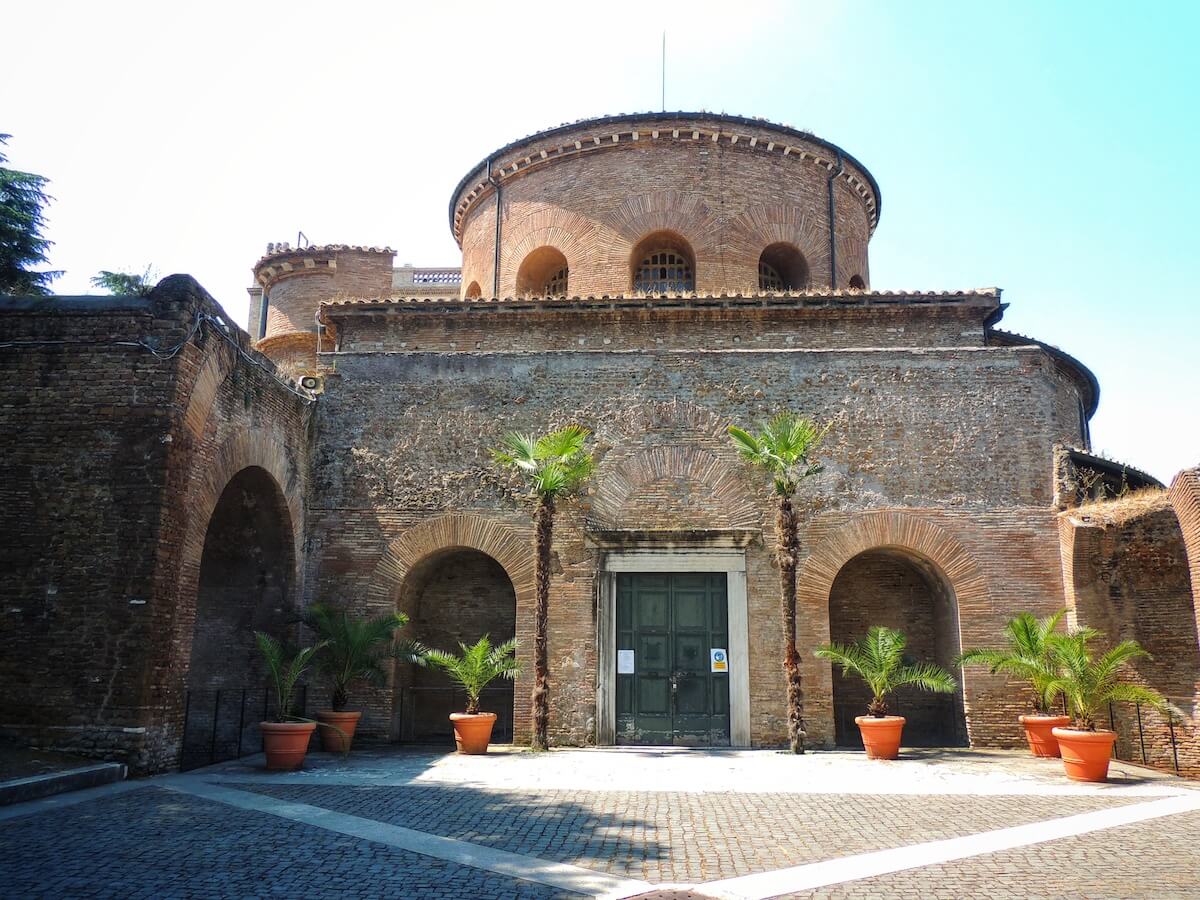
{"x": 672, "y": 622}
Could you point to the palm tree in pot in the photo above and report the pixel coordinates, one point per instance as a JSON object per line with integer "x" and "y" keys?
{"x": 475, "y": 667}
{"x": 285, "y": 739}
{"x": 355, "y": 651}
{"x": 878, "y": 659}
{"x": 1090, "y": 683}
{"x": 1027, "y": 656}
{"x": 554, "y": 465}
{"x": 783, "y": 448}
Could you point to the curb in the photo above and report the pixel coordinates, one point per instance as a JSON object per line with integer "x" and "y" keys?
{"x": 19, "y": 790}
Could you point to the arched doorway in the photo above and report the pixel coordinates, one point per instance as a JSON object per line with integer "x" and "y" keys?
{"x": 453, "y": 595}
{"x": 245, "y": 585}
{"x": 890, "y": 587}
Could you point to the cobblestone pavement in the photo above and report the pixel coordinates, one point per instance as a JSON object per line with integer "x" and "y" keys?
{"x": 1159, "y": 859}
{"x": 157, "y": 843}
{"x": 387, "y": 824}
{"x": 671, "y": 837}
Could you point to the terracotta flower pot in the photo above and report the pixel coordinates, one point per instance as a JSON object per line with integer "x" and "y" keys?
{"x": 1038, "y": 731}
{"x": 472, "y": 731}
{"x": 881, "y": 736}
{"x": 1085, "y": 754}
{"x": 338, "y": 738}
{"x": 286, "y": 743}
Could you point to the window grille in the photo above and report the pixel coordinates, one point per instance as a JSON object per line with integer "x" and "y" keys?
{"x": 557, "y": 285}
{"x": 769, "y": 279}
{"x": 662, "y": 271}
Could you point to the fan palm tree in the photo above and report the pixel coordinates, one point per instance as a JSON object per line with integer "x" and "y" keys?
{"x": 878, "y": 659}
{"x": 1089, "y": 683}
{"x": 476, "y": 666}
{"x": 355, "y": 648}
{"x": 783, "y": 448}
{"x": 1027, "y": 656}
{"x": 285, "y": 670}
{"x": 554, "y": 465}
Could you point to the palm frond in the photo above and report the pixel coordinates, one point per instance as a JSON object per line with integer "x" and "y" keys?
{"x": 878, "y": 659}
{"x": 476, "y": 666}
{"x": 554, "y": 463}
{"x": 782, "y": 447}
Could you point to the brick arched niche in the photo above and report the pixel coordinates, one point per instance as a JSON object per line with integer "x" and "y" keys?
{"x": 239, "y": 572}
{"x": 898, "y": 570}
{"x": 246, "y": 583}
{"x": 457, "y": 577}
{"x": 672, "y": 487}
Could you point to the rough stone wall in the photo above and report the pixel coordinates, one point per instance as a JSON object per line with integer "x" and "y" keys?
{"x": 1128, "y": 577}
{"x": 959, "y": 438}
{"x": 728, "y": 200}
{"x": 769, "y": 326}
{"x": 103, "y": 440}
{"x": 1185, "y": 499}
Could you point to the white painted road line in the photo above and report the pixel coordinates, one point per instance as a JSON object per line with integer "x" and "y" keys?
{"x": 514, "y": 865}
{"x": 882, "y": 862}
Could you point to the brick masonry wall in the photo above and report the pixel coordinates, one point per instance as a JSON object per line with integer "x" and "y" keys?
{"x": 1129, "y": 579}
{"x": 728, "y": 200}
{"x": 961, "y": 439}
{"x": 648, "y": 328}
{"x": 296, "y": 281}
{"x": 114, "y": 460}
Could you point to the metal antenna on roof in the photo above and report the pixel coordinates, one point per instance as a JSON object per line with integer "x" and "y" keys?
{"x": 664, "y": 71}
{"x": 301, "y": 236}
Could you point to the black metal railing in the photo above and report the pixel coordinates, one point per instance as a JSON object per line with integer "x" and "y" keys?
{"x": 424, "y": 713}
{"x": 220, "y": 724}
{"x": 1149, "y": 737}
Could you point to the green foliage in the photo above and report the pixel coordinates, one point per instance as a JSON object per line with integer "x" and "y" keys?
{"x": 783, "y": 447}
{"x": 476, "y": 666}
{"x": 878, "y": 659}
{"x": 1027, "y": 656}
{"x": 285, "y": 671}
{"x": 355, "y": 648}
{"x": 126, "y": 284}
{"x": 554, "y": 463}
{"x": 22, "y": 201}
{"x": 1090, "y": 683}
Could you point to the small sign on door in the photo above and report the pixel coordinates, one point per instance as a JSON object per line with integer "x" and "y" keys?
{"x": 718, "y": 660}
{"x": 624, "y": 662}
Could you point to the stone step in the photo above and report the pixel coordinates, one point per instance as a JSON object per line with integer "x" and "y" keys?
{"x": 19, "y": 790}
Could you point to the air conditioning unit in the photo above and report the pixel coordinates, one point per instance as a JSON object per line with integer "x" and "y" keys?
{"x": 312, "y": 383}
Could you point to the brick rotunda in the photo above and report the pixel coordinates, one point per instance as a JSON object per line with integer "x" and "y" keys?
{"x": 653, "y": 278}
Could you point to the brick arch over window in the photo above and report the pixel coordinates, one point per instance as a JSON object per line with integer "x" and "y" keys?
{"x": 665, "y": 211}
{"x": 763, "y": 226}
{"x": 885, "y": 530}
{"x": 509, "y": 548}
{"x": 722, "y": 491}
{"x": 902, "y": 533}
{"x": 529, "y": 227}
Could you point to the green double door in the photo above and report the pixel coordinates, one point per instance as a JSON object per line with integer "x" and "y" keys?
{"x": 672, "y": 659}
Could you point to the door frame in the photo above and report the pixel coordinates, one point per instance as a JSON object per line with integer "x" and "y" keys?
{"x": 730, "y": 562}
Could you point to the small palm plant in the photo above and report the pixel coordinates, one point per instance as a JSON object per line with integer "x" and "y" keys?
{"x": 783, "y": 448}
{"x": 355, "y": 648}
{"x": 878, "y": 659}
{"x": 554, "y": 464}
{"x": 1027, "y": 656}
{"x": 1090, "y": 683}
{"x": 476, "y": 666}
{"x": 285, "y": 671}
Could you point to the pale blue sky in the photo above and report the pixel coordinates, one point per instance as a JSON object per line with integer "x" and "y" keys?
{"x": 1045, "y": 148}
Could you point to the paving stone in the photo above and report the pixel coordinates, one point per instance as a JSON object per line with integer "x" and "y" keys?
{"x": 680, "y": 837}
{"x": 1154, "y": 859}
{"x": 156, "y": 843}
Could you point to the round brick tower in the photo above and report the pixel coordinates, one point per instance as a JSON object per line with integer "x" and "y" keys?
{"x": 665, "y": 202}
{"x": 294, "y": 281}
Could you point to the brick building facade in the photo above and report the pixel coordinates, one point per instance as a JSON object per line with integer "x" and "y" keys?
{"x": 653, "y": 278}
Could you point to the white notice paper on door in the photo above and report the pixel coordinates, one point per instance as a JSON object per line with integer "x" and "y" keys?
{"x": 624, "y": 662}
